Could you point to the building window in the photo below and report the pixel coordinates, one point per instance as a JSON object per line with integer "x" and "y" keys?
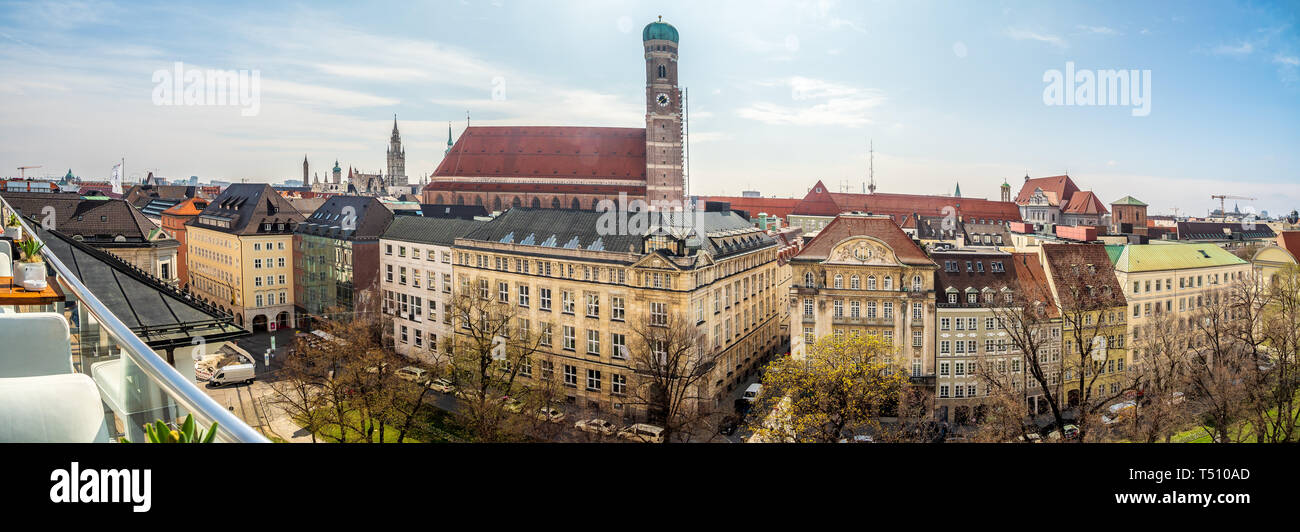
{"x": 570, "y": 375}
{"x": 570, "y": 338}
{"x": 544, "y": 299}
{"x": 593, "y": 305}
{"x": 593, "y": 342}
{"x": 616, "y": 308}
{"x": 566, "y": 301}
{"x": 523, "y": 295}
{"x": 593, "y": 380}
{"x": 619, "y": 343}
{"x": 917, "y": 338}
{"x": 807, "y": 307}
{"x": 808, "y": 280}
{"x": 854, "y": 284}
{"x": 659, "y": 314}
{"x": 503, "y": 292}
{"x": 617, "y": 384}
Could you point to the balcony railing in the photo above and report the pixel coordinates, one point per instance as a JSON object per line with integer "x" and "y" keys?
{"x": 134, "y": 383}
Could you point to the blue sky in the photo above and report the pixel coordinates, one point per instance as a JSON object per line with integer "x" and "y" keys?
{"x": 781, "y": 93}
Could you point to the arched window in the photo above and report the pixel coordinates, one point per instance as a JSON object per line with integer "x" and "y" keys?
{"x": 839, "y": 281}
{"x": 516, "y": 202}
{"x": 537, "y": 203}
{"x": 871, "y": 282}
{"x": 575, "y": 204}
{"x": 460, "y": 200}
{"x": 663, "y": 72}
{"x": 478, "y": 200}
{"x": 437, "y": 199}
{"x": 496, "y": 204}
{"x": 916, "y": 283}
{"x": 854, "y": 284}
{"x": 889, "y": 283}
{"x": 555, "y": 202}
{"x": 808, "y": 281}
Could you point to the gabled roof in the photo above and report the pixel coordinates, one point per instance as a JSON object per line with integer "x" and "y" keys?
{"x": 562, "y": 152}
{"x": 1060, "y": 189}
{"x": 1173, "y": 256}
{"x": 348, "y": 218}
{"x": 1032, "y": 280}
{"x": 1069, "y": 264}
{"x": 246, "y": 206}
{"x": 1085, "y": 202}
{"x": 92, "y": 219}
{"x": 821, "y": 202}
{"x": 849, "y": 225}
{"x": 974, "y": 270}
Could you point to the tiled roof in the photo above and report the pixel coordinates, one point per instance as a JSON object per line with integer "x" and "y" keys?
{"x": 246, "y": 206}
{"x": 92, "y": 219}
{"x": 821, "y": 202}
{"x": 961, "y": 271}
{"x": 1290, "y": 241}
{"x": 140, "y": 195}
{"x": 562, "y": 152}
{"x": 848, "y": 225}
{"x": 1172, "y": 256}
{"x": 1085, "y": 202}
{"x": 1060, "y": 188}
{"x": 1223, "y": 231}
{"x": 1032, "y": 280}
{"x": 189, "y": 207}
{"x": 1072, "y": 264}
{"x": 348, "y": 218}
{"x": 427, "y": 230}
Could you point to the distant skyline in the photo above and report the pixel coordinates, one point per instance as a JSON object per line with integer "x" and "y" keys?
{"x": 782, "y": 94}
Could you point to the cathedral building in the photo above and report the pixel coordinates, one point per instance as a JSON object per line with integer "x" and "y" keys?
{"x": 393, "y": 183}
{"x": 575, "y": 167}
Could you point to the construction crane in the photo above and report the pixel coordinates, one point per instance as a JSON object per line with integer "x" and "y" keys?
{"x": 23, "y": 170}
{"x": 1223, "y": 213}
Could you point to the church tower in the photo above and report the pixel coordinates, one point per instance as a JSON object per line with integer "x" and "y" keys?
{"x": 304, "y": 170}
{"x": 1006, "y": 190}
{"x": 396, "y": 158}
{"x": 663, "y": 119}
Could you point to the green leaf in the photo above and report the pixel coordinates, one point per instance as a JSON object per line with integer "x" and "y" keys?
{"x": 212, "y": 433}
{"x": 187, "y": 428}
{"x": 164, "y": 433}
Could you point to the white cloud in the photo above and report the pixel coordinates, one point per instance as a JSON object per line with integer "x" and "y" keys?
{"x": 1026, "y": 35}
{"x": 1286, "y": 60}
{"x": 832, "y": 104}
{"x": 320, "y": 95}
{"x": 1097, "y": 30}
{"x": 1240, "y": 49}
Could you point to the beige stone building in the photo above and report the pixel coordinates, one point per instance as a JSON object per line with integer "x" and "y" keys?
{"x": 861, "y": 275}
{"x": 1172, "y": 278}
{"x": 240, "y": 253}
{"x": 585, "y": 290}
{"x": 417, "y": 282}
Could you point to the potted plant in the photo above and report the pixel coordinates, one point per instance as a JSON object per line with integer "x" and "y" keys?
{"x": 30, "y": 270}
{"x": 13, "y": 228}
{"x": 159, "y": 432}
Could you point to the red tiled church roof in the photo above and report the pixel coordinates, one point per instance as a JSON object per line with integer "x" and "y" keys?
{"x": 560, "y": 152}
{"x": 821, "y": 202}
{"x": 1085, "y": 202}
{"x": 1061, "y": 186}
{"x": 1290, "y": 241}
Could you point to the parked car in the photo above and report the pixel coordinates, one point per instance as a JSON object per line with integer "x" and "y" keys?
{"x": 442, "y": 385}
{"x": 412, "y": 374}
{"x": 642, "y": 433}
{"x": 512, "y": 404}
{"x": 596, "y": 426}
{"x": 752, "y": 392}
{"x": 552, "y": 415}
{"x": 860, "y": 438}
{"x": 1116, "y": 412}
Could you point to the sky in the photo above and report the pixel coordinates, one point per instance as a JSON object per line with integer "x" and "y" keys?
{"x": 782, "y": 94}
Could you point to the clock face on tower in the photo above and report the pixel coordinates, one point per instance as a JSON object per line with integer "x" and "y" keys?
{"x": 662, "y": 100}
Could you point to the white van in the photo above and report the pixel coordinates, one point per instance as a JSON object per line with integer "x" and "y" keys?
{"x": 751, "y": 393}
{"x": 644, "y": 433}
{"x": 236, "y": 373}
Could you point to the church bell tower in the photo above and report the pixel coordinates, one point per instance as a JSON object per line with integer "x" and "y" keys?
{"x": 663, "y": 119}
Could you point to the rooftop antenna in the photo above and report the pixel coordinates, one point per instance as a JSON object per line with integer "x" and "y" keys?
{"x": 872, "y": 175}
{"x": 466, "y": 118}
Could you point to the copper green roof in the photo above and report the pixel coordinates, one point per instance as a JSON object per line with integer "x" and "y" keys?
{"x": 1128, "y": 200}
{"x": 1173, "y": 256}
{"x": 659, "y": 30}
{"x": 1115, "y": 250}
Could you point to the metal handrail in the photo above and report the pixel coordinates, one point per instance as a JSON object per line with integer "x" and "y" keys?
{"x": 179, "y": 388}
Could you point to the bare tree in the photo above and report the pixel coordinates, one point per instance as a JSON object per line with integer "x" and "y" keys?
{"x": 1159, "y": 348}
{"x": 493, "y": 347}
{"x": 1217, "y": 369}
{"x": 671, "y": 366}
{"x": 298, "y": 390}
